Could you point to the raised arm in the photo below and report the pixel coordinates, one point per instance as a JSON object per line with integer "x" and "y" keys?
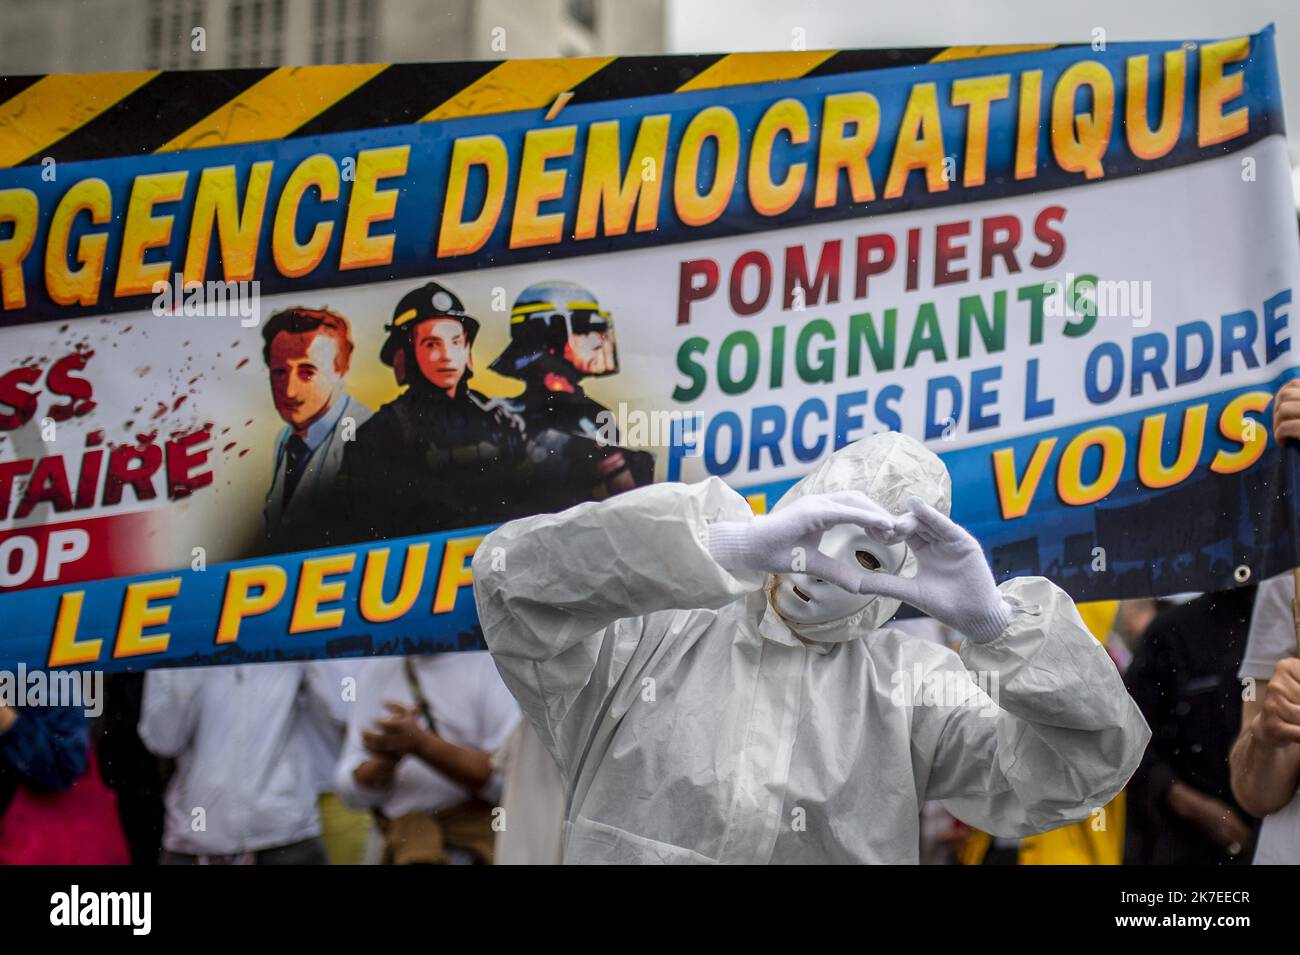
{"x": 1265, "y": 760}
{"x": 565, "y": 599}
{"x": 634, "y": 554}
{"x": 1056, "y": 736}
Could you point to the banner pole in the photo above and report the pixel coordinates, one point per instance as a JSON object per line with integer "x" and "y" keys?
{"x": 1291, "y": 456}
{"x": 1295, "y": 607}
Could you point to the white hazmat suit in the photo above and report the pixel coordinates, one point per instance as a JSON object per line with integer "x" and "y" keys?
{"x": 693, "y": 724}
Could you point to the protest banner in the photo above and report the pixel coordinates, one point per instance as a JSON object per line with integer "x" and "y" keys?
{"x": 1069, "y": 270}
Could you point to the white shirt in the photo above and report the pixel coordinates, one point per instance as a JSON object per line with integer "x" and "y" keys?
{"x": 1272, "y": 638}
{"x": 471, "y": 708}
{"x": 533, "y": 800}
{"x": 243, "y": 781}
{"x": 323, "y": 731}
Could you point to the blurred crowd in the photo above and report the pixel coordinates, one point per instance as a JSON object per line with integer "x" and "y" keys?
{"x": 425, "y": 760}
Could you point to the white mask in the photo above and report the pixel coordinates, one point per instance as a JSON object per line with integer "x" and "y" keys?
{"x": 803, "y": 599}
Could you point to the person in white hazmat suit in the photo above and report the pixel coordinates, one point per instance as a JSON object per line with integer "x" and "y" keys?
{"x": 717, "y": 686}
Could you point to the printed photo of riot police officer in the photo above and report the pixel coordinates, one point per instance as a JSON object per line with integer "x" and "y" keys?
{"x": 559, "y": 336}
{"x": 440, "y": 455}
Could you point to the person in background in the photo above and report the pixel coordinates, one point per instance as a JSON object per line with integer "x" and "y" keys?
{"x": 346, "y": 832}
{"x": 54, "y": 807}
{"x": 1132, "y": 617}
{"x": 42, "y": 747}
{"x": 418, "y": 753}
{"x": 243, "y": 791}
{"x": 1265, "y": 760}
{"x": 1183, "y": 676}
{"x": 533, "y": 799}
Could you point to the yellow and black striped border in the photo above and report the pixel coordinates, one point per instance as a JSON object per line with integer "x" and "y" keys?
{"x": 80, "y": 116}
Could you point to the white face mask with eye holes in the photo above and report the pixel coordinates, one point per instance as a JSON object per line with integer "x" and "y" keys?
{"x": 803, "y": 599}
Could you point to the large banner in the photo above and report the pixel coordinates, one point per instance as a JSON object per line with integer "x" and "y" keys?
{"x": 280, "y": 346}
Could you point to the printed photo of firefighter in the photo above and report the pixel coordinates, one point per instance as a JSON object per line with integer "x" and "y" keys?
{"x": 440, "y": 455}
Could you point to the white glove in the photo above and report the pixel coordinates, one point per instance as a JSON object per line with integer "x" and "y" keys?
{"x": 953, "y": 583}
{"x": 787, "y": 541}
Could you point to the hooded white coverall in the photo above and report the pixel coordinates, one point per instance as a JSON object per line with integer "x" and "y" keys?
{"x": 691, "y": 724}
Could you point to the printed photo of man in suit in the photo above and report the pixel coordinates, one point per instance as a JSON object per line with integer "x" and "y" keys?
{"x": 307, "y": 353}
